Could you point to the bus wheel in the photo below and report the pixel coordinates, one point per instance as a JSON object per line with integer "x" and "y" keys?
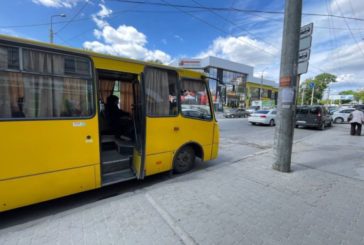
{"x": 184, "y": 160}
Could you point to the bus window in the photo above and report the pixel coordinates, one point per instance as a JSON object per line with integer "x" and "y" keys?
{"x": 194, "y": 100}
{"x": 41, "y": 87}
{"x": 160, "y": 89}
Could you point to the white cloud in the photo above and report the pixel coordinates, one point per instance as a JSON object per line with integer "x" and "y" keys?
{"x": 241, "y": 49}
{"x": 57, "y": 3}
{"x": 99, "y": 17}
{"x": 124, "y": 40}
{"x": 178, "y": 37}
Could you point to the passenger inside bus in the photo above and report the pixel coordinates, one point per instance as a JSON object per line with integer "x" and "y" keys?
{"x": 118, "y": 120}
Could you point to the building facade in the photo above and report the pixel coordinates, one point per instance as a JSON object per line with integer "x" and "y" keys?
{"x": 232, "y": 84}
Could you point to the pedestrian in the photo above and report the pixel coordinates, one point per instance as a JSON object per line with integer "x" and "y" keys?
{"x": 356, "y": 119}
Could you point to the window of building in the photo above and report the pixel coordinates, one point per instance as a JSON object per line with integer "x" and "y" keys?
{"x": 264, "y": 93}
{"x": 194, "y": 100}
{"x": 161, "y": 92}
{"x": 270, "y": 94}
{"x": 37, "y": 92}
{"x": 255, "y": 93}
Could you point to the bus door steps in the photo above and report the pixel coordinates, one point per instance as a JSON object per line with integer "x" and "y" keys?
{"x": 116, "y": 165}
{"x": 124, "y": 147}
{"x": 118, "y": 176}
{"x": 112, "y": 161}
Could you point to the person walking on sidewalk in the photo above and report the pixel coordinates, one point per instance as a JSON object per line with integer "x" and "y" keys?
{"x": 356, "y": 119}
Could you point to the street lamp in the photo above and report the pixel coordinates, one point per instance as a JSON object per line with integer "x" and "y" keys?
{"x": 51, "y": 33}
{"x": 261, "y": 84}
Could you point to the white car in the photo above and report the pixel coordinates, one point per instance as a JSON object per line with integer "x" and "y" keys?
{"x": 266, "y": 117}
{"x": 341, "y": 116}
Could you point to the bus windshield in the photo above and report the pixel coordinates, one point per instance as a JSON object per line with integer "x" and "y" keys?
{"x": 194, "y": 100}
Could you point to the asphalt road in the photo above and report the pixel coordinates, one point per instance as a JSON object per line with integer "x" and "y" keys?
{"x": 238, "y": 139}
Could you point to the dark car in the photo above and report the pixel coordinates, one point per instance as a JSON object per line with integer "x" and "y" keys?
{"x": 239, "y": 112}
{"x": 316, "y": 116}
{"x": 359, "y": 107}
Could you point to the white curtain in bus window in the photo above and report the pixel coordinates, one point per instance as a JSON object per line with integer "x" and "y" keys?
{"x": 11, "y": 84}
{"x": 160, "y": 88}
{"x": 194, "y": 100}
{"x": 37, "y": 93}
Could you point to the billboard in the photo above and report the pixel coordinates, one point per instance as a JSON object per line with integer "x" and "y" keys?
{"x": 342, "y": 97}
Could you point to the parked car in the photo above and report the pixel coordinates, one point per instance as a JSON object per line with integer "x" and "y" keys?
{"x": 359, "y": 107}
{"x": 253, "y": 109}
{"x": 238, "y": 112}
{"x": 342, "y": 115}
{"x": 313, "y": 116}
{"x": 266, "y": 117}
{"x": 332, "y": 109}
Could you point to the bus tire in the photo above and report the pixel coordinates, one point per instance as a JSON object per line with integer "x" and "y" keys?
{"x": 184, "y": 160}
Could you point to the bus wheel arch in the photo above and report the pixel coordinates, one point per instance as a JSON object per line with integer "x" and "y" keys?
{"x": 184, "y": 159}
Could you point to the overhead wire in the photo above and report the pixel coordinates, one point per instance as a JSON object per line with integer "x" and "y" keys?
{"x": 73, "y": 17}
{"x": 351, "y": 33}
{"x": 217, "y": 28}
{"x": 232, "y": 23}
{"x": 230, "y": 9}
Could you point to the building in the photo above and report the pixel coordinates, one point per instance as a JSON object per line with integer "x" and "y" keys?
{"x": 232, "y": 84}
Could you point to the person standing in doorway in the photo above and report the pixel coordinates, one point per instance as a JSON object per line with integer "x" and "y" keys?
{"x": 356, "y": 119}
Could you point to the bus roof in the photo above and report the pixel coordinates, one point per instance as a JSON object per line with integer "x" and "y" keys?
{"x": 93, "y": 54}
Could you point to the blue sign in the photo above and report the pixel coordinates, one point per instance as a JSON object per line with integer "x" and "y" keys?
{"x": 312, "y": 84}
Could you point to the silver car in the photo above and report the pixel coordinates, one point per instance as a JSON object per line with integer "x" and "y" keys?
{"x": 342, "y": 115}
{"x": 266, "y": 117}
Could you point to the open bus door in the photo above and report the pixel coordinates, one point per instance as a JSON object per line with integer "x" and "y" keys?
{"x": 139, "y": 125}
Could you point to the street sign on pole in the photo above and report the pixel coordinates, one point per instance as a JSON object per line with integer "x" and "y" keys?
{"x": 305, "y": 43}
{"x": 304, "y": 48}
{"x": 302, "y": 67}
{"x": 312, "y": 85}
{"x": 306, "y": 30}
{"x": 303, "y": 55}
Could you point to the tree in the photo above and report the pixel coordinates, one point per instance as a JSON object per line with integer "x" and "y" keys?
{"x": 157, "y": 61}
{"x": 359, "y": 95}
{"x": 320, "y": 82}
{"x": 347, "y": 92}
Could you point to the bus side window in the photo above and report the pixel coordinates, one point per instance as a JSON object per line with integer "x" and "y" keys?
{"x": 194, "y": 100}
{"x": 40, "y": 88}
{"x": 161, "y": 88}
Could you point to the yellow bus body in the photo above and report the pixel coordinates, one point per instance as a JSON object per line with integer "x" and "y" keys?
{"x": 46, "y": 159}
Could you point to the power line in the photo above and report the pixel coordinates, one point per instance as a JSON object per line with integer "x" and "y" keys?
{"x": 73, "y": 17}
{"x": 115, "y": 13}
{"x": 197, "y": 9}
{"x": 347, "y": 25}
{"x": 215, "y": 27}
{"x": 230, "y": 9}
{"x": 232, "y": 23}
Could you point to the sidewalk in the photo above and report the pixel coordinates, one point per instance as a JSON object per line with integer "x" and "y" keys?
{"x": 240, "y": 202}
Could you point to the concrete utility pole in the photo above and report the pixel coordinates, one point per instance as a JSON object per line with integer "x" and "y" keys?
{"x": 313, "y": 91}
{"x": 283, "y": 137}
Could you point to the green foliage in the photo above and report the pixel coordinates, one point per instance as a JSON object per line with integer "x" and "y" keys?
{"x": 321, "y": 82}
{"x": 358, "y": 95}
{"x": 347, "y": 92}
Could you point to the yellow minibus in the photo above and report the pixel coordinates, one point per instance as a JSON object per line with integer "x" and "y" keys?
{"x": 73, "y": 120}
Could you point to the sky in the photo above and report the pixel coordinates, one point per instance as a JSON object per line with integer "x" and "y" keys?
{"x": 166, "y": 31}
